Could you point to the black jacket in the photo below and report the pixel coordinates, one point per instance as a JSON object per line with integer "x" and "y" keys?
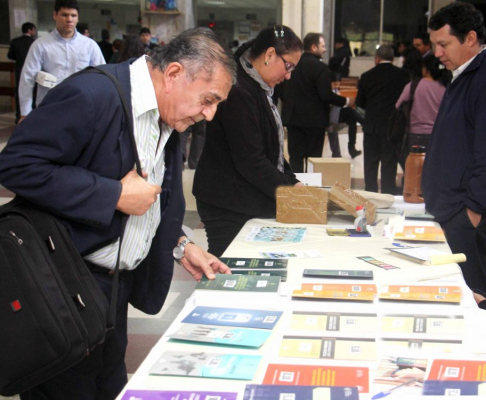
{"x": 107, "y": 50}
{"x": 378, "y": 91}
{"x": 19, "y": 48}
{"x": 307, "y": 96}
{"x": 454, "y": 174}
{"x": 237, "y": 170}
{"x": 340, "y": 61}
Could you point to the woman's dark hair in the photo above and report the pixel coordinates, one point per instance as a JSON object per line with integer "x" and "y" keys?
{"x": 462, "y": 18}
{"x": 412, "y": 62}
{"x": 117, "y": 44}
{"x": 436, "y": 69}
{"x": 280, "y": 37}
{"x": 131, "y": 47}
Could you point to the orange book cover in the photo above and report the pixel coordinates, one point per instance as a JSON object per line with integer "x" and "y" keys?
{"x": 317, "y": 375}
{"x": 362, "y": 292}
{"x": 421, "y": 233}
{"x": 458, "y": 370}
{"x": 448, "y": 294}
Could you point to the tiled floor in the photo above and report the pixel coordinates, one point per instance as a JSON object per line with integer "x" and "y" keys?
{"x": 144, "y": 330}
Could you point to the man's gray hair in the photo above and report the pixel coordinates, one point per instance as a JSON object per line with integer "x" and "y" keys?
{"x": 385, "y": 52}
{"x": 198, "y": 49}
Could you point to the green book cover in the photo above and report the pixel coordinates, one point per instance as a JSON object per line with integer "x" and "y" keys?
{"x": 241, "y": 283}
{"x": 250, "y": 263}
{"x": 282, "y": 273}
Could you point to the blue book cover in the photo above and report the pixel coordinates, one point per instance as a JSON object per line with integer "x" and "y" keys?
{"x": 454, "y": 388}
{"x": 222, "y": 335}
{"x": 288, "y": 392}
{"x": 206, "y": 365}
{"x": 239, "y": 317}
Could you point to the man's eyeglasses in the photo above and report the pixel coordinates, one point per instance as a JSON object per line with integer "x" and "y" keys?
{"x": 288, "y": 65}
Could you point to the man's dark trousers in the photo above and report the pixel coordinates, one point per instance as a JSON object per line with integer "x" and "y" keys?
{"x": 463, "y": 237}
{"x": 377, "y": 148}
{"x": 304, "y": 143}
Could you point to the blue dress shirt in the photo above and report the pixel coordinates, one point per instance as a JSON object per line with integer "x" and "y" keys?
{"x": 58, "y": 56}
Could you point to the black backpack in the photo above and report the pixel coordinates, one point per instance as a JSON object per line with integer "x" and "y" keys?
{"x": 52, "y": 310}
{"x": 399, "y": 122}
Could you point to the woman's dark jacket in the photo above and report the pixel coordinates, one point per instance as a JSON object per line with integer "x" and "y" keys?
{"x": 237, "y": 170}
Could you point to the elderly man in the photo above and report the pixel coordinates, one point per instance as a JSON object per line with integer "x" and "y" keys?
{"x": 73, "y": 156}
{"x": 61, "y": 53}
{"x": 454, "y": 176}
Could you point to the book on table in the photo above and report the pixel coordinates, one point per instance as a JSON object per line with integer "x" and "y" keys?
{"x": 206, "y": 365}
{"x": 257, "y": 266}
{"x": 338, "y": 273}
{"x": 331, "y": 348}
{"x": 456, "y": 378}
{"x": 420, "y": 323}
{"x": 281, "y": 392}
{"x": 317, "y": 375}
{"x": 420, "y": 233}
{"x": 240, "y": 283}
{"x": 346, "y": 322}
{"x": 238, "y": 317}
{"x": 177, "y": 394}
{"x": 437, "y": 294}
{"x": 221, "y": 335}
{"x": 336, "y": 291}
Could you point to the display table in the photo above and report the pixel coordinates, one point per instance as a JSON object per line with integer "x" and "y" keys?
{"x": 337, "y": 253}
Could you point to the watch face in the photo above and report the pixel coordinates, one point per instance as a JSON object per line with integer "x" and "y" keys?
{"x": 178, "y": 253}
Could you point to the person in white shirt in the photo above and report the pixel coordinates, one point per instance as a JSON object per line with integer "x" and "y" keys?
{"x": 61, "y": 53}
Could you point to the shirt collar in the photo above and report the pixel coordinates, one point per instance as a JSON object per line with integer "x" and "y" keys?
{"x": 58, "y": 36}
{"x": 462, "y": 68}
{"x": 143, "y": 92}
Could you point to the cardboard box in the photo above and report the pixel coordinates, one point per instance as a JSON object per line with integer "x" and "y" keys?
{"x": 345, "y": 198}
{"x": 302, "y": 205}
{"x": 332, "y": 169}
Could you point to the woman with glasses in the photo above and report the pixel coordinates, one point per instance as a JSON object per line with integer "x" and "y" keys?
{"x": 242, "y": 162}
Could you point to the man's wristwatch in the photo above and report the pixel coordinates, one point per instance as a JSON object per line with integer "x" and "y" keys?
{"x": 179, "y": 250}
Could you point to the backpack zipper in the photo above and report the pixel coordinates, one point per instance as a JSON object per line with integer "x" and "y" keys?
{"x": 19, "y": 241}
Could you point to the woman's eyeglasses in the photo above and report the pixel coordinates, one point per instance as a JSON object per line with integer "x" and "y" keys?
{"x": 288, "y": 65}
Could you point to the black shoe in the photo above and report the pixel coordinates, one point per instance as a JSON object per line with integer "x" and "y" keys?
{"x": 354, "y": 153}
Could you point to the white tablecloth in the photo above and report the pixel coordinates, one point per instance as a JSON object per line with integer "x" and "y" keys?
{"x": 337, "y": 253}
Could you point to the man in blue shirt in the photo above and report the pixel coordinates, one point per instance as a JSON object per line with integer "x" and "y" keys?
{"x": 60, "y": 53}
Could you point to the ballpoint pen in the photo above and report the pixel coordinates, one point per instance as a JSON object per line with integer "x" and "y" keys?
{"x": 387, "y": 392}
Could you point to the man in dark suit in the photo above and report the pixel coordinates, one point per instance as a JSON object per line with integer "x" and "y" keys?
{"x": 105, "y": 45}
{"x": 19, "y": 47}
{"x": 378, "y": 91}
{"x": 307, "y": 98}
{"x": 79, "y": 166}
